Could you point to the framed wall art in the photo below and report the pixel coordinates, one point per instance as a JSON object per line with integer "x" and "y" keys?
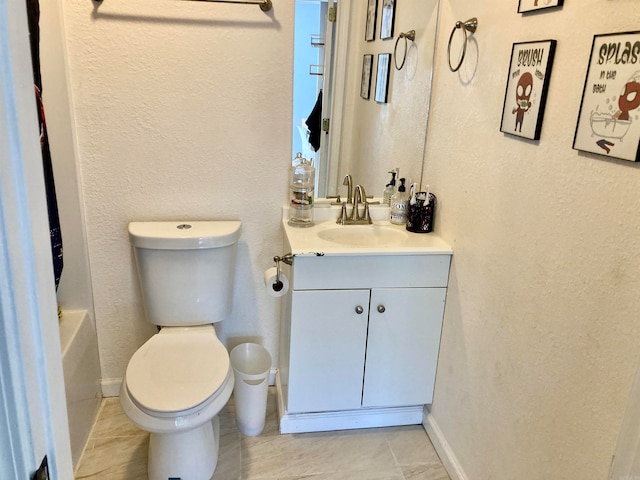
{"x": 527, "y": 85}
{"x": 382, "y": 77}
{"x": 365, "y": 84}
{"x": 609, "y": 118}
{"x": 533, "y": 5}
{"x": 388, "y": 14}
{"x": 370, "y": 27}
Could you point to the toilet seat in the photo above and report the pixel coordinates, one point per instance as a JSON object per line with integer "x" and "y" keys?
{"x": 177, "y": 369}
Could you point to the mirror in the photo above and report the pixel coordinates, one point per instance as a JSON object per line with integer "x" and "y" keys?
{"x": 367, "y": 139}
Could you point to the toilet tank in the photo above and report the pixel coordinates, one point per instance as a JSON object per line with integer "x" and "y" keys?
{"x": 186, "y": 270}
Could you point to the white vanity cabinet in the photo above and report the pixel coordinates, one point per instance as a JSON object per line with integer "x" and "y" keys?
{"x": 360, "y": 340}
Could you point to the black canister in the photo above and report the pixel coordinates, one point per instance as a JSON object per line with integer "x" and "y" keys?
{"x": 421, "y": 215}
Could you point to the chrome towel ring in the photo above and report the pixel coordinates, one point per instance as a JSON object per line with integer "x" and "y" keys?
{"x": 469, "y": 26}
{"x": 410, "y": 35}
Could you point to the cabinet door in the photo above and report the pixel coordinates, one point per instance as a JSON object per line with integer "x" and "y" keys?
{"x": 402, "y": 346}
{"x": 327, "y": 348}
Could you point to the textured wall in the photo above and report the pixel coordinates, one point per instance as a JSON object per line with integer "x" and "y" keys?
{"x": 183, "y": 111}
{"x": 541, "y": 331}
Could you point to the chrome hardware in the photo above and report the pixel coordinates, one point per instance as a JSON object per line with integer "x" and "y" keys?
{"x": 265, "y": 5}
{"x": 470, "y": 26}
{"x": 336, "y": 199}
{"x": 286, "y": 258}
{"x": 348, "y": 183}
{"x": 411, "y": 36}
{"x": 359, "y": 310}
{"x": 354, "y": 218}
{"x": 381, "y": 309}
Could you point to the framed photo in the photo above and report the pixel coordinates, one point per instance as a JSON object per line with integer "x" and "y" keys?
{"x": 382, "y": 77}
{"x": 609, "y": 118}
{"x": 527, "y": 85}
{"x": 370, "y": 27}
{"x": 388, "y": 14}
{"x": 532, "y": 5}
{"x": 365, "y": 84}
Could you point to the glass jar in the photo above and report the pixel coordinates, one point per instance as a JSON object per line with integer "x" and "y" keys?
{"x": 301, "y": 189}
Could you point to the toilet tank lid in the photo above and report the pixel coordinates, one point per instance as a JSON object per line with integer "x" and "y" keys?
{"x": 184, "y": 235}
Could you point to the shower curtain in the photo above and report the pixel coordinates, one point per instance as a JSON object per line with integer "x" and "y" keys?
{"x": 55, "y": 234}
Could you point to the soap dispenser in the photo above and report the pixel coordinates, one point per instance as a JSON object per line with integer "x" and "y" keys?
{"x": 390, "y": 190}
{"x": 399, "y": 205}
{"x": 301, "y": 186}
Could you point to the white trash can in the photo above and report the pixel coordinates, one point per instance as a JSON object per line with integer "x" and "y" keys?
{"x": 251, "y": 364}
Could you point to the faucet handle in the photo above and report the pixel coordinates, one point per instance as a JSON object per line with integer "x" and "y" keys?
{"x": 367, "y": 217}
{"x": 338, "y": 200}
{"x": 342, "y": 218}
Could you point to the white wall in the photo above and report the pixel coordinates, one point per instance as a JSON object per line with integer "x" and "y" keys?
{"x": 541, "y": 331}
{"x": 183, "y": 112}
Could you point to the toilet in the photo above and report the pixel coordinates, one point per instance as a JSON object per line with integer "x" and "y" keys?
{"x": 178, "y": 381}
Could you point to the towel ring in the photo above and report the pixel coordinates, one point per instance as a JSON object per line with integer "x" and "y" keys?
{"x": 411, "y": 35}
{"x": 469, "y": 26}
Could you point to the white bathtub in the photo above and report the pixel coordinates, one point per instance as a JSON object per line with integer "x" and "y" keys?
{"x": 81, "y": 366}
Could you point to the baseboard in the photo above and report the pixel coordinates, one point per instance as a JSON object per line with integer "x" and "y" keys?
{"x": 111, "y": 387}
{"x": 272, "y": 376}
{"x": 446, "y": 454}
{"x": 346, "y": 419}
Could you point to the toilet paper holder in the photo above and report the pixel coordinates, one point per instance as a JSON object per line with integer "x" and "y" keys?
{"x": 286, "y": 258}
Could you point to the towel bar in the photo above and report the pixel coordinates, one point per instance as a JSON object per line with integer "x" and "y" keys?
{"x": 265, "y": 5}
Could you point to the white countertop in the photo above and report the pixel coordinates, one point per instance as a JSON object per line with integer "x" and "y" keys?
{"x": 309, "y": 241}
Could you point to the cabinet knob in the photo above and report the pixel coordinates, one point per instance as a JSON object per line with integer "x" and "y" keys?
{"x": 359, "y": 310}
{"x": 381, "y": 308}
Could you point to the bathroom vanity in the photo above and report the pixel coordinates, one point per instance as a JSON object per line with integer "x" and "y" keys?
{"x": 361, "y": 325}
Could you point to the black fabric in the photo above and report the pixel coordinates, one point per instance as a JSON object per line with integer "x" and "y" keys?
{"x": 314, "y": 123}
{"x": 55, "y": 234}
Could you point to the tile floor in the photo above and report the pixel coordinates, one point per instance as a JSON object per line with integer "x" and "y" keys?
{"x": 117, "y": 450}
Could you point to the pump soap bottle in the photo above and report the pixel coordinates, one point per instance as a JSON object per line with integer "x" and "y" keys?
{"x": 390, "y": 190}
{"x": 399, "y": 205}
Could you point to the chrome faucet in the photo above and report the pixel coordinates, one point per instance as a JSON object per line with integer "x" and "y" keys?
{"x": 348, "y": 182}
{"x": 354, "y": 218}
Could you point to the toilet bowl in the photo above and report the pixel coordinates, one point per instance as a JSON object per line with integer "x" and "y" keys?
{"x": 174, "y": 387}
{"x": 178, "y": 381}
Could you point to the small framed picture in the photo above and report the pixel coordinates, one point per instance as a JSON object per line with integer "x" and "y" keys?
{"x": 527, "y": 85}
{"x": 532, "y": 5}
{"x": 370, "y": 27}
{"x": 382, "y": 77}
{"x": 388, "y": 14}
{"x": 609, "y": 118}
{"x": 365, "y": 84}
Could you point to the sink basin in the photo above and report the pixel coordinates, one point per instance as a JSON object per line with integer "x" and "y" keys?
{"x": 364, "y": 235}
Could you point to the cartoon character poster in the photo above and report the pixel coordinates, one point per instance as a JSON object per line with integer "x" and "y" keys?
{"x": 527, "y": 85}
{"x": 609, "y": 118}
{"x": 532, "y": 5}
